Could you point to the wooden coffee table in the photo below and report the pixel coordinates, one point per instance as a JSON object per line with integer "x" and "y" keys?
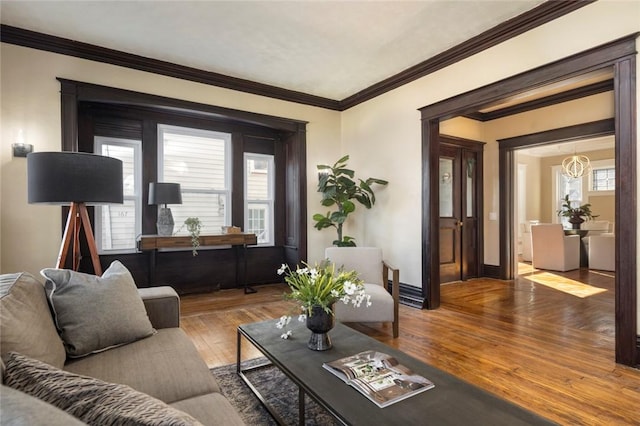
{"x": 451, "y": 402}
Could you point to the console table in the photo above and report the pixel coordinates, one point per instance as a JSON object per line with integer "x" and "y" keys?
{"x": 152, "y": 243}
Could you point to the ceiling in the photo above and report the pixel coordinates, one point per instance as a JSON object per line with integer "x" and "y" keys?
{"x": 573, "y": 83}
{"x": 332, "y": 49}
{"x": 581, "y": 146}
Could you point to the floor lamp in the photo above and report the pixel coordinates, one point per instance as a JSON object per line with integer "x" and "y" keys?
{"x": 75, "y": 179}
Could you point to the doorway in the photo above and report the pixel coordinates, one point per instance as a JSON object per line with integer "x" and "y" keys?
{"x": 597, "y": 130}
{"x": 619, "y": 54}
{"x": 460, "y": 208}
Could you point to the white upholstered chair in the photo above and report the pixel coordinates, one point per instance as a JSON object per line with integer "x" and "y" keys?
{"x": 526, "y": 239}
{"x": 602, "y": 252}
{"x": 596, "y": 227}
{"x": 551, "y": 249}
{"x": 374, "y": 271}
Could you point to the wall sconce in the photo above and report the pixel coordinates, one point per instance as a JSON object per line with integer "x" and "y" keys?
{"x": 21, "y": 149}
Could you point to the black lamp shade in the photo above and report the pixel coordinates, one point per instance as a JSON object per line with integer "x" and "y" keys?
{"x": 65, "y": 177}
{"x": 164, "y": 193}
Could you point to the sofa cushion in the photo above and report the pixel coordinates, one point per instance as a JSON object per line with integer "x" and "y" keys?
{"x": 19, "y": 408}
{"x": 166, "y": 365}
{"x": 212, "y": 409}
{"x": 96, "y": 313}
{"x": 91, "y": 400}
{"x": 26, "y": 325}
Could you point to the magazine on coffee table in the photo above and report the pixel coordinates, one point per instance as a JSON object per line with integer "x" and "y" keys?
{"x": 379, "y": 377}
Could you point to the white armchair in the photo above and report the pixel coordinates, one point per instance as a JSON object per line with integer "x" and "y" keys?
{"x": 374, "y": 271}
{"x": 596, "y": 227}
{"x": 602, "y": 252}
{"x": 526, "y": 239}
{"x": 551, "y": 249}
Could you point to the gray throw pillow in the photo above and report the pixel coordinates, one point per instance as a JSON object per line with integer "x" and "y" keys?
{"x": 90, "y": 400}
{"x": 94, "y": 313}
{"x": 26, "y": 325}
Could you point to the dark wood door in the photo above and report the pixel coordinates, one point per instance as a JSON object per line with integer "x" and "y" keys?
{"x": 450, "y": 215}
{"x": 458, "y": 214}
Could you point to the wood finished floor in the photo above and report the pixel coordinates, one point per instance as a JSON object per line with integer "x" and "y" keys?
{"x": 544, "y": 341}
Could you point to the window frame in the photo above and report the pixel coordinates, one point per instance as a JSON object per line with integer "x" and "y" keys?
{"x": 270, "y": 201}
{"x": 228, "y": 161}
{"x": 557, "y": 178}
{"x": 600, "y": 165}
{"x": 98, "y": 143}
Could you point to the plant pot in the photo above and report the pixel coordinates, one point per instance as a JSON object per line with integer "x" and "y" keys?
{"x": 575, "y": 221}
{"x": 320, "y": 323}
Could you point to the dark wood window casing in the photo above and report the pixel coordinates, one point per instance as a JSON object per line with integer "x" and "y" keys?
{"x": 90, "y": 110}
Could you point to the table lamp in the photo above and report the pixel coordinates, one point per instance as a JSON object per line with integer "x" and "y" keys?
{"x": 75, "y": 179}
{"x": 164, "y": 193}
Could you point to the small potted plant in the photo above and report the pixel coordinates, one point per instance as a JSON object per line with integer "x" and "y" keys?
{"x": 576, "y": 215}
{"x": 194, "y": 226}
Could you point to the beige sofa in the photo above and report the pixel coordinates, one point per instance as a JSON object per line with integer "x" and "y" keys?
{"x": 164, "y": 365}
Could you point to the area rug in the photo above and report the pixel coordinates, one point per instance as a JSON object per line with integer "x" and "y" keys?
{"x": 280, "y": 392}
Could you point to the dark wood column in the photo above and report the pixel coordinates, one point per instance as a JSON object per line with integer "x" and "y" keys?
{"x": 627, "y": 342}
{"x": 431, "y": 213}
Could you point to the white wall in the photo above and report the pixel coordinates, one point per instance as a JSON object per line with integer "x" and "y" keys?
{"x": 392, "y": 120}
{"x": 31, "y": 102}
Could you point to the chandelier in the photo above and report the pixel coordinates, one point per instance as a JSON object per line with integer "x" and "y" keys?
{"x": 576, "y": 166}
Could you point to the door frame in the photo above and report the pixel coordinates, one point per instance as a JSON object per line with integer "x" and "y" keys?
{"x": 619, "y": 54}
{"x": 508, "y": 169}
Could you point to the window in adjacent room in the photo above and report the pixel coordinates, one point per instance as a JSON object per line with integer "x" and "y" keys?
{"x": 603, "y": 179}
{"x": 259, "y": 184}
{"x": 200, "y": 161}
{"x": 564, "y": 186}
{"x": 118, "y": 225}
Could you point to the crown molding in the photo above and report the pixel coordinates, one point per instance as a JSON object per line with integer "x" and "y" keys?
{"x": 520, "y": 24}
{"x": 64, "y": 46}
{"x": 540, "y": 15}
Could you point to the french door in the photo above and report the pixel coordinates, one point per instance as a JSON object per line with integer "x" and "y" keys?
{"x": 459, "y": 210}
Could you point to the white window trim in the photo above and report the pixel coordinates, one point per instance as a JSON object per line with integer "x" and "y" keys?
{"x": 270, "y": 199}
{"x": 137, "y": 197}
{"x": 555, "y": 172}
{"x": 188, "y": 131}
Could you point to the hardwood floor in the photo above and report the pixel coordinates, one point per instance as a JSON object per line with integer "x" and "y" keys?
{"x": 544, "y": 341}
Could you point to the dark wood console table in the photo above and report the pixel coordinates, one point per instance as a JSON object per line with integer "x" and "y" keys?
{"x": 152, "y": 243}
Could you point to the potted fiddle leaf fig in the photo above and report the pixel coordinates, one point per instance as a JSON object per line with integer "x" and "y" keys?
{"x": 576, "y": 215}
{"x": 339, "y": 190}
